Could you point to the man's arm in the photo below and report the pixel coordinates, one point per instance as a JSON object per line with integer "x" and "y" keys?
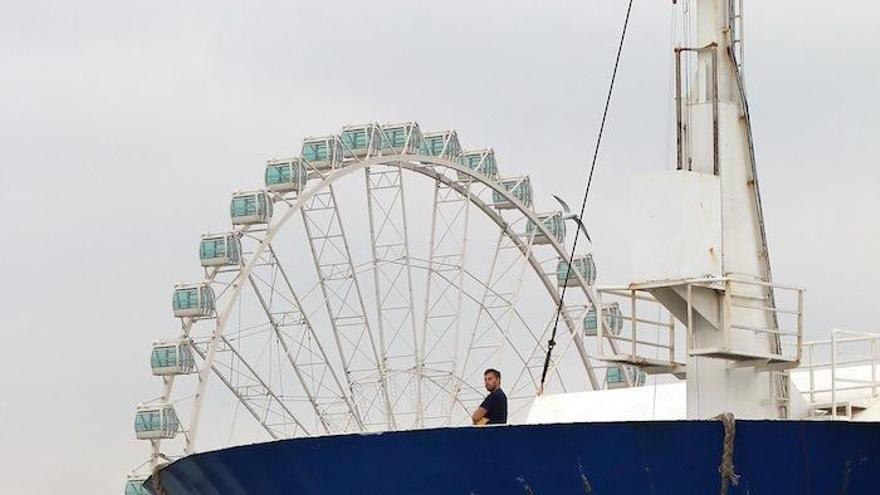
{"x": 479, "y": 416}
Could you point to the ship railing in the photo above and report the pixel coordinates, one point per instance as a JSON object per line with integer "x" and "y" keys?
{"x": 842, "y": 373}
{"x": 758, "y": 308}
{"x": 647, "y": 336}
{"x": 760, "y": 323}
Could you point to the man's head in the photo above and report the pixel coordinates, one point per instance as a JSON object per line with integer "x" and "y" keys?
{"x": 492, "y": 379}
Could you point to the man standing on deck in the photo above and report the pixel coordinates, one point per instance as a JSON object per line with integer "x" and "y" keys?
{"x": 493, "y": 410}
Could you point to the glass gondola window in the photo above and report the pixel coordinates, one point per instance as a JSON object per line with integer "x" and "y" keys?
{"x": 174, "y": 358}
{"x": 219, "y": 250}
{"x": 247, "y": 205}
{"x": 582, "y": 264}
{"x": 482, "y": 161}
{"x": 213, "y": 248}
{"x": 473, "y": 160}
{"x": 193, "y": 300}
{"x": 443, "y": 145}
{"x": 315, "y": 151}
{"x": 360, "y": 141}
{"x": 433, "y": 145}
{"x": 286, "y": 175}
{"x": 186, "y": 299}
{"x": 152, "y": 422}
{"x": 401, "y": 138}
{"x": 395, "y": 138}
{"x": 322, "y": 152}
{"x": 613, "y": 317}
{"x": 519, "y": 187}
{"x": 277, "y": 174}
{"x": 135, "y": 486}
{"x": 552, "y": 222}
{"x": 355, "y": 138}
{"x": 615, "y": 378}
{"x": 250, "y": 208}
{"x": 614, "y": 375}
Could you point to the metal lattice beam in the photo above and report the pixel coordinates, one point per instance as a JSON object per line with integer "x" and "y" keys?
{"x": 344, "y": 301}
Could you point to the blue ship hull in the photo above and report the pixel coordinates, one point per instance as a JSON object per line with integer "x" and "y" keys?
{"x": 652, "y": 458}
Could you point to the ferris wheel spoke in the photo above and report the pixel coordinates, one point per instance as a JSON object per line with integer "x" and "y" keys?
{"x": 496, "y": 311}
{"x": 246, "y": 384}
{"x": 344, "y": 303}
{"x": 549, "y": 284}
{"x": 320, "y": 412}
{"x": 318, "y": 358}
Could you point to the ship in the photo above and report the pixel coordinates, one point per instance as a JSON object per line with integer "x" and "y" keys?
{"x": 747, "y": 405}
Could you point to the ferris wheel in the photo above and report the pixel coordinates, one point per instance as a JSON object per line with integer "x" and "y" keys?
{"x": 366, "y": 287}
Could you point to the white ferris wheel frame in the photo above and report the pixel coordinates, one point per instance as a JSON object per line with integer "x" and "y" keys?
{"x": 426, "y": 166}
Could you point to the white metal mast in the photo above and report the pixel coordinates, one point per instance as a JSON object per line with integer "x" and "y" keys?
{"x": 704, "y": 255}
{"x": 721, "y": 145}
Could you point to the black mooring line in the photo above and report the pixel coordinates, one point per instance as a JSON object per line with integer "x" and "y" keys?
{"x": 552, "y": 342}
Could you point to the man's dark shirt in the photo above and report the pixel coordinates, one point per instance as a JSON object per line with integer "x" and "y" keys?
{"x": 495, "y": 405}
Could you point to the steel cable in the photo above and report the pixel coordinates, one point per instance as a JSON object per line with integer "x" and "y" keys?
{"x": 552, "y": 342}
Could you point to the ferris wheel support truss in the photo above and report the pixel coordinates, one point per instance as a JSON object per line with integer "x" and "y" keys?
{"x": 393, "y": 283}
{"x": 344, "y": 301}
{"x": 312, "y": 368}
{"x": 328, "y": 237}
{"x": 444, "y": 289}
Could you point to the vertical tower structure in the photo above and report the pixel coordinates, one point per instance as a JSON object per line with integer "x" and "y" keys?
{"x": 701, "y": 248}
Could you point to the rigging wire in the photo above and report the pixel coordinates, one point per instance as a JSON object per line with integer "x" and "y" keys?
{"x": 552, "y": 342}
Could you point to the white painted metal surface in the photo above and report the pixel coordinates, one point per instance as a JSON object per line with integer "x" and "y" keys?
{"x": 704, "y": 222}
{"x": 676, "y": 221}
{"x": 649, "y": 403}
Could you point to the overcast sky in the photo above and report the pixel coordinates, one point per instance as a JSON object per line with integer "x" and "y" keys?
{"x": 124, "y": 126}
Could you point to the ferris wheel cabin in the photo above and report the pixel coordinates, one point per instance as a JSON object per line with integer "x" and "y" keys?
{"x": 443, "y": 144}
{"x": 193, "y": 301}
{"x": 172, "y": 358}
{"x": 249, "y": 208}
{"x": 220, "y": 249}
{"x": 361, "y": 141}
{"x": 552, "y": 222}
{"x": 612, "y": 315}
{"x": 286, "y": 175}
{"x": 322, "y": 153}
{"x": 482, "y": 161}
{"x": 615, "y": 378}
{"x": 156, "y": 422}
{"x": 583, "y": 264}
{"x": 401, "y": 139}
{"x": 519, "y": 187}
